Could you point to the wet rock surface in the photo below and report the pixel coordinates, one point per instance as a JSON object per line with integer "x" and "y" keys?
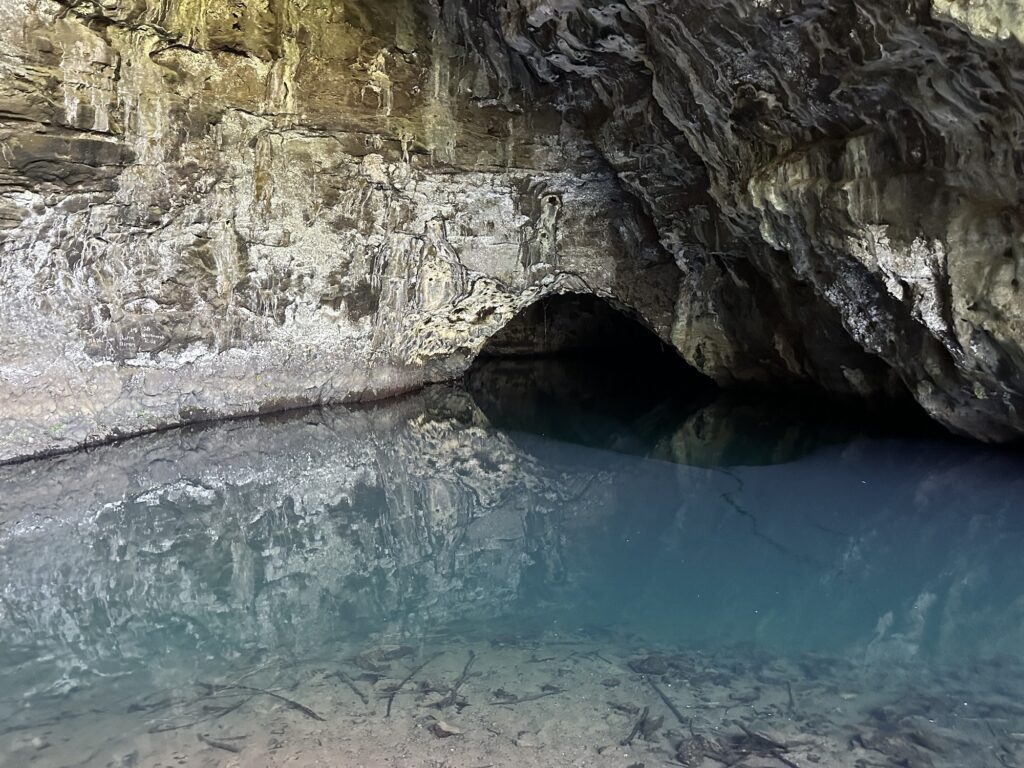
{"x": 832, "y": 179}
{"x": 214, "y": 209}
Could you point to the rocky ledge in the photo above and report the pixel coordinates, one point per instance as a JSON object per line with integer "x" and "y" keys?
{"x": 211, "y": 208}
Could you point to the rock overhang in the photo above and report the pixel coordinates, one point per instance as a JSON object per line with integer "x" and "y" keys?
{"x": 210, "y": 210}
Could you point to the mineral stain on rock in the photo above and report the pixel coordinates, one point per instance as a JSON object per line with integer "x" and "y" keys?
{"x": 209, "y": 207}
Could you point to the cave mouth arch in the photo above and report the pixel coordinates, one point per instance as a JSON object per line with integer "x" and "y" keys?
{"x": 578, "y": 325}
{"x": 576, "y": 367}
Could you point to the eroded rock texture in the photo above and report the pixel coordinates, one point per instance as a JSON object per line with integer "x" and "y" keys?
{"x": 832, "y": 177}
{"x": 213, "y": 208}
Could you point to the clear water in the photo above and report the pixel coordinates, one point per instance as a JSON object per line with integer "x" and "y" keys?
{"x": 195, "y": 597}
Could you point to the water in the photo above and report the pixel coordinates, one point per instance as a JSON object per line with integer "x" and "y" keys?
{"x": 204, "y": 596}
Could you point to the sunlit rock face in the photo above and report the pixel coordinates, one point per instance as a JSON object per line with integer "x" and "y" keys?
{"x": 211, "y": 208}
{"x": 216, "y": 208}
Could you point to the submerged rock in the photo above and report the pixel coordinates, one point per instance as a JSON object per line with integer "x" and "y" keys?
{"x": 650, "y": 665}
{"x": 443, "y": 730}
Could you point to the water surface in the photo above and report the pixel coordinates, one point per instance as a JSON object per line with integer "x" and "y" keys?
{"x": 533, "y": 571}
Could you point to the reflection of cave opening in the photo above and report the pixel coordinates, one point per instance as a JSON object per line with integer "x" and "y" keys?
{"x": 575, "y": 368}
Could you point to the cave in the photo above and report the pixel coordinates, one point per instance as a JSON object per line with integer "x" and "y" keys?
{"x": 511, "y": 383}
{"x": 578, "y": 324}
{"x": 404, "y": 174}
{"x": 576, "y": 367}
{"x": 581, "y": 368}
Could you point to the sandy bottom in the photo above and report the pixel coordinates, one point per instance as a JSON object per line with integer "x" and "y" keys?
{"x": 552, "y": 701}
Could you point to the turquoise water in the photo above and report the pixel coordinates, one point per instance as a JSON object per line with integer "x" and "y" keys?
{"x": 858, "y": 597}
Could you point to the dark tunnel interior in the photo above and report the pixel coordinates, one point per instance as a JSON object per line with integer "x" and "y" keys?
{"x": 574, "y": 368}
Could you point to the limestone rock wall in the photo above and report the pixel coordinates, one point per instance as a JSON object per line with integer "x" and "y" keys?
{"x": 209, "y": 209}
{"x": 854, "y": 180}
{"x": 213, "y": 208}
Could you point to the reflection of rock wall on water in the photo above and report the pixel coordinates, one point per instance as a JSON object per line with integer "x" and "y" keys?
{"x": 400, "y": 520}
{"x": 383, "y": 520}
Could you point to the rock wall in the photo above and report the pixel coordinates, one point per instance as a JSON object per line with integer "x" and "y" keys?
{"x": 832, "y": 177}
{"x": 211, "y": 208}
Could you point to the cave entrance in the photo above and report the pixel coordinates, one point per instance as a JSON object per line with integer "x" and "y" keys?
{"x": 575, "y": 368}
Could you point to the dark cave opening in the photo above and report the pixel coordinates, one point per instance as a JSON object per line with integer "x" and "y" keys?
{"x": 579, "y": 325}
{"x": 575, "y": 368}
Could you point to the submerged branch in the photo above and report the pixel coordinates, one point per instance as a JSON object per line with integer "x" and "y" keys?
{"x": 406, "y": 679}
{"x": 290, "y": 703}
{"x": 668, "y": 702}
